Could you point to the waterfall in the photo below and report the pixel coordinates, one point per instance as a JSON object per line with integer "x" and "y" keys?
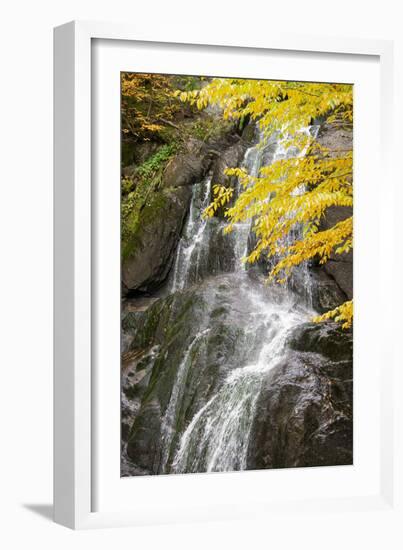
{"x": 252, "y": 163}
{"x": 217, "y": 437}
{"x": 301, "y": 275}
{"x": 193, "y": 241}
{"x": 192, "y": 255}
{"x": 302, "y": 270}
{"x": 169, "y": 419}
{"x": 206, "y": 425}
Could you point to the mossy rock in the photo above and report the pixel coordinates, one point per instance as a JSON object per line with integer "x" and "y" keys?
{"x": 147, "y": 252}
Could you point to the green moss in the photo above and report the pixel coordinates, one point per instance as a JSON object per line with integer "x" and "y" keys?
{"x": 151, "y": 208}
{"x": 131, "y": 320}
{"x": 140, "y": 195}
{"x": 149, "y": 167}
{"x": 145, "y": 325}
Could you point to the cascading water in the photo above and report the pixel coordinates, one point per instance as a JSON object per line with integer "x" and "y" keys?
{"x": 192, "y": 256}
{"x": 217, "y": 437}
{"x": 302, "y": 273}
{"x": 169, "y": 419}
{"x": 194, "y": 239}
{"x": 211, "y": 432}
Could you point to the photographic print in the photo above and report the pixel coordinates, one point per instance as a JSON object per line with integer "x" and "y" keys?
{"x": 237, "y": 274}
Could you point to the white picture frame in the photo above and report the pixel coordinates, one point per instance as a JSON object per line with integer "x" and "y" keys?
{"x": 77, "y": 472}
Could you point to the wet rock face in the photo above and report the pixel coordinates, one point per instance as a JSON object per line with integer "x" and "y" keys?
{"x": 230, "y": 158}
{"x": 339, "y": 267}
{"x": 326, "y": 293}
{"x": 304, "y": 412}
{"x": 335, "y": 138}
{"x": 159, "y": 340}
{"x": 155, "y": 239}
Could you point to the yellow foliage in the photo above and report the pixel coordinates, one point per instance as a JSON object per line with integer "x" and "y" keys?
{"x": 146, "y": 100}
{"x": 222, "y": 195}
{"x": 342, "y": 314}
{"x": 291, "y": 192}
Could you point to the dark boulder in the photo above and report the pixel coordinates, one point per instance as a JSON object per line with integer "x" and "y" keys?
{"x": 145, "y": 450}
{"x": 136, "y": 372}
{"x": 326, "y": 293}
{"x": 340, "y": 266}
{"x": 341, "y": 270}
{"x": 186, "y": 169}
{"x": 335, "y": 138}
{"x": 326, "y": 339}
{"x": 154, "y": 240}
{"x": 304, "y": 411}
{"x": 230, "y": 158}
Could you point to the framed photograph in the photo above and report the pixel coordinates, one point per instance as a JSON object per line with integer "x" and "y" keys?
{"x": 217, "y": 215}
